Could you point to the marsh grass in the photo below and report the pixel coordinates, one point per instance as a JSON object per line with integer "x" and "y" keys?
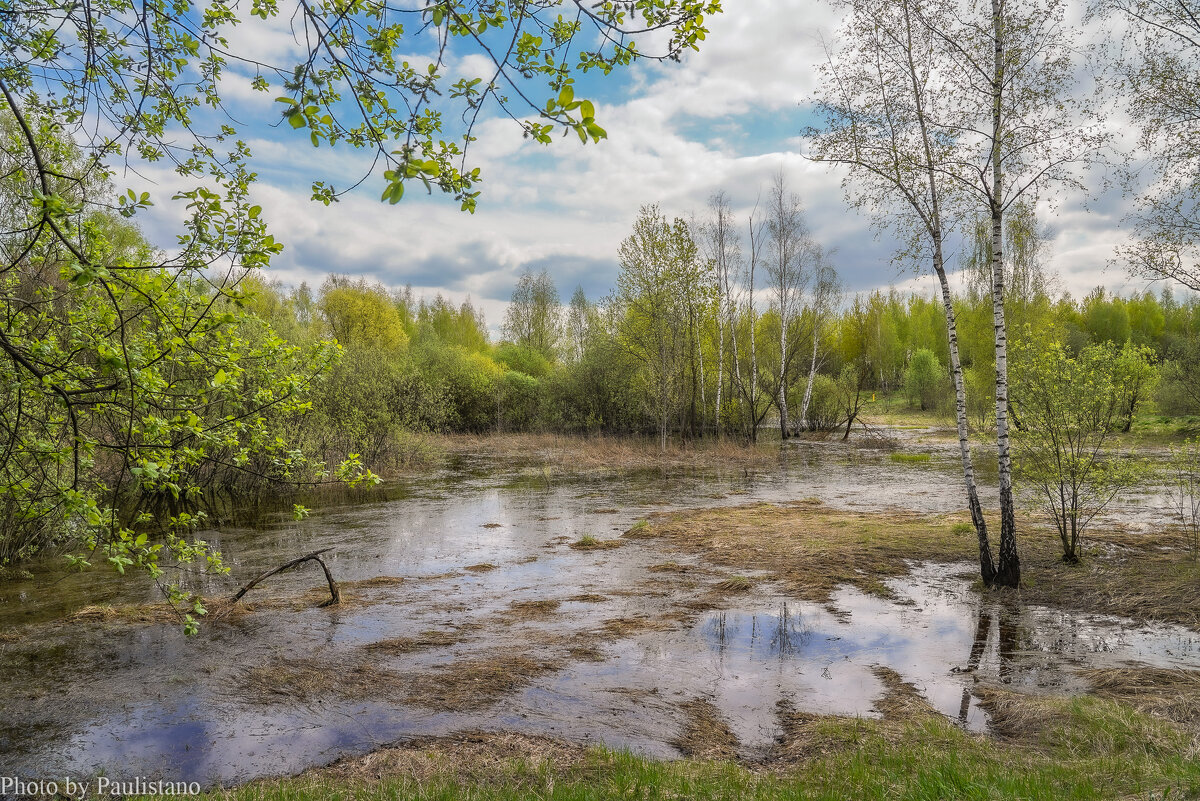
{"x": 705, "y": 734}
{"x": 736, "y": 584}
{"x": 434, "y": 638}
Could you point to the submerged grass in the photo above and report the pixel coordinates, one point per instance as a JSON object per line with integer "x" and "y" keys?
{"x": 909, "y": 458}
{"x": 1084, "y": 748}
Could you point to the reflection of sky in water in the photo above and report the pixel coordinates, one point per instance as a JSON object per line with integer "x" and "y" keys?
{"x": 146, "y": 701}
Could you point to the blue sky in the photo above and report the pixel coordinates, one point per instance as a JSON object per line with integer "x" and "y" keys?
{"x": 728, "y": 117}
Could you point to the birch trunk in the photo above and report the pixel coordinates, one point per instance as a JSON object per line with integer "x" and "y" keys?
{"x": 1008, "y": 571}
{"x": 812, "y": 374}
{"x": 753, "y": 360}
{"x": 783, "y": 410}
{"x": 720, "y": 351}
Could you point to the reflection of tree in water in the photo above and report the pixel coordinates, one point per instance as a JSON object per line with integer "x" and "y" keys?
{"x": 783, "y": 633}
{"x": 995, "y": 626}
{"x": 788, "y": 635}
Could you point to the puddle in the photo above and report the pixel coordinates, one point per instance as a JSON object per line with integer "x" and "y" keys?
{"x": 620, "y": 654}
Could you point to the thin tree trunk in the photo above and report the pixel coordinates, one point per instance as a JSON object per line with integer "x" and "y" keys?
{"x": 1008, "y": 571}
{"x": 720, "y": 349}
{"x": 703, "y": 396}
{"x": 783, "y": 410}
{"x": 812, "y": 374}
{"x": 753, "y": 352}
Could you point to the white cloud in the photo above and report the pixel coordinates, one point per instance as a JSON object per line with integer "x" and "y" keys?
{"x": 677, "y": 136}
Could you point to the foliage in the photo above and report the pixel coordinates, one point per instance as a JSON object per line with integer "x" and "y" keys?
{"x": 925, "y": 381}
{"x": 1069, "y": 407}
{"x": 534, "y": 317}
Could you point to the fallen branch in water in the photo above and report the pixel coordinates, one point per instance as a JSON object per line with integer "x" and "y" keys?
{"x": 335, "y": 595}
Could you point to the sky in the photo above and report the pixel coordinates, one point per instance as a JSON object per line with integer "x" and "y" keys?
{"x": 728, "y": 117}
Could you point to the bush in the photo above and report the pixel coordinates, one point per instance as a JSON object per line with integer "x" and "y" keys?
{"x": 925, "y": 381}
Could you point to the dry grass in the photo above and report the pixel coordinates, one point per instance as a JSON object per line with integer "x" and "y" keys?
{"x": 669, "y": 567}
{"x": 806, "y": 736}
{"x": 618, "y": 627}
{"x": 901, "y": 700}
{"x": 162, "y": 612}
{"x": 590, "y": 543}
{"x": 375, "y": 581}
{"x": 1122, "y": 573}
{"x": 586, "y": 653}
{"x": 574, "y": 455}
{"x": 474, "y": 758}
{"x": 482, "y": 567}
{"x": 811, "y": 548}
{"x": 529, "y": 610}
{"x": 705, "y": 733}
{"x": 492, "y": 525}
{"x": 589, "y": 598}
{"x": 736, "y": 584}
{"x": 308, "y": 679}
{"x": 477, "y": 683}
{"x": 1171, "y": 694}
{"x": 434, "y": 638}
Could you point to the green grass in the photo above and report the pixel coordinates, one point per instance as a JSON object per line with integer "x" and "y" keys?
{"x": 1083, "y": 748}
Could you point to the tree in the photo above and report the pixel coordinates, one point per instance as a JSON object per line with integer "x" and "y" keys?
{"x": 1069, "y": 409}
{"x": 576, "y": 325}
{"x": 790, "y": 248}
{"x": 658, "y": 262}
{"x": 361, "y": 315}
{"x": 534, "y": 317}
{"x": 881, "y": 107}
{"x": 826, "y": 296}
{"x": 1013, "y": 127}
{"x": 722, "y": 248}
{"x": 923, "y": 380}
{"x": 1156, "y": 70}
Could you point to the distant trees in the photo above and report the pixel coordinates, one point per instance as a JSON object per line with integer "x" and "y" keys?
{"x": 534, "y": 317}
{"x": 659, "y": 270}
{"x": 791, "y": 252}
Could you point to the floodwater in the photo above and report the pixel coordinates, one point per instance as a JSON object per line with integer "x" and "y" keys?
{"x": 141, "y": 700}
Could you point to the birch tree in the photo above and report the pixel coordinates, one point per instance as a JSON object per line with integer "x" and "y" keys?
{"x": 826, "y": 295}
{"x": 881, "y": 121}
{"x": 790, "y": 245}
{"x": 722, "y": 248}
{"x": 1014, "y": 130}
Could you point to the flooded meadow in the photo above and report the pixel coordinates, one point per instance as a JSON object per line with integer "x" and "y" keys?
{"x": 495, "y": 594}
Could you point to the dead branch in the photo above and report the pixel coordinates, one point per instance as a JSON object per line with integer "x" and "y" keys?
{"x": 335, "y": 595}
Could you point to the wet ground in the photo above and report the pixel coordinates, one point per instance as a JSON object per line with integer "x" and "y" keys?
{"x": 498, "y": 623}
